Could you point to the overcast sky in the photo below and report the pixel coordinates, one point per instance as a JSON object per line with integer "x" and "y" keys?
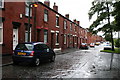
{"x": 77, "y": 9}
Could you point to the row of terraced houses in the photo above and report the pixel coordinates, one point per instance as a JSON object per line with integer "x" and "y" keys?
{"x": 46, "y": 25}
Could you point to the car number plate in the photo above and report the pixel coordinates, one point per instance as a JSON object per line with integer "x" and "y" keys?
{"x": 21, "y": 53}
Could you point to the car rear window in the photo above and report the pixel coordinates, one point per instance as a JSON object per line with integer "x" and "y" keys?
{"x": 24, "y": 47}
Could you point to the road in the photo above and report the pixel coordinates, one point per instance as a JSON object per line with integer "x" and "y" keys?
{"x": 89, "y": 63}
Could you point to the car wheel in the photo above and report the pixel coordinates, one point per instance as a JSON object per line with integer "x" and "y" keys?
{"x": 37, "y": 62}
{"x": 52, "y": 59}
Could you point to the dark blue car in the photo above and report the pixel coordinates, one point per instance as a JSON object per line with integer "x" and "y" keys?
{"x": 33, "y": 52}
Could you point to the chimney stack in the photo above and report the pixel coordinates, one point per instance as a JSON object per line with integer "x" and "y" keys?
{"x": 47, "y": 2}
{"x": 74, "y": 20}
{"x": 78, "y": 22}
{"x": 67, "y": 16}
{"x": 55, "y": 7}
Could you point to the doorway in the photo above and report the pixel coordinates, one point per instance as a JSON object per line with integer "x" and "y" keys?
{"x": 15, "y": 38}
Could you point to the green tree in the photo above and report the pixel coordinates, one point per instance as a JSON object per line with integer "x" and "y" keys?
{"x": 107, "y": 37}
{"x": 103, "y": 11}
{"x": 116, "y": 14}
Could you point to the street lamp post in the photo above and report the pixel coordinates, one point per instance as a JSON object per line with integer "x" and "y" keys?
{"x": 29, "y": 24}
{"x": 35, "y": 5}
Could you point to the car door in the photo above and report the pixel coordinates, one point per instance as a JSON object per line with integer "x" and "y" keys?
{"x": 38, "y": 51}
{"x": 46, "y": 50}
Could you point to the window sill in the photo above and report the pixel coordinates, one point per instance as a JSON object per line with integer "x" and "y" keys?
{"x": 2, "y": 44}
{"x": 64, "y": 43}
{"x": 46, "y": 22}
{"x": 2, "y": 8}
{"x": 57, "y": 44}
{"x": 58, "y": 26}
{"x": 27, "y": 17}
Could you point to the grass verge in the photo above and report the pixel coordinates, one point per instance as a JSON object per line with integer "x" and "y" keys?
{"x": 117, "y": 50}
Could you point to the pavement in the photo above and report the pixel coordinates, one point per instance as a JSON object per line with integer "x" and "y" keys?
{"x": 7, "y": 59}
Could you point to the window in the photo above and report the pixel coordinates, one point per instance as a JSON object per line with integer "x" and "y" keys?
{"x": 44, "y": 46}
{"x": 70, "y": 26}
{"x": 1, "y": 32}
{"x": 45, "y": 15}
{"x": 65, "y": 39}
{"x": 1, "y": 3}
{"x": 24, "y": 47}
{"x": 65, "y": 24}
{"x": 57, "y": 21}
{"x": 45, "y": 36}
{"x": 27, "y": 9}
{"x": 26, "y": 34}
{"x": 57, "y": 38}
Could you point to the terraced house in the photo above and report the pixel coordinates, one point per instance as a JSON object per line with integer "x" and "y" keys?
{"x": 46, "y": 25}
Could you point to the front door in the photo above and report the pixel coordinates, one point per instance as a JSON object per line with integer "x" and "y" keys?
{"x": 52, "y": 40}
{"x": 15, "y": 38}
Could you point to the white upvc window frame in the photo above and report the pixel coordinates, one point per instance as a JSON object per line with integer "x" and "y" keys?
{"x": 70, "y": 26}
{"x": 1, "y": 28}
{"x": 46, "y": 15}
{"x": 65, "y": 39}
{"x": 45, "y": 36}
{"x": 2, "y": 4}
{"x": 27, "y": 9}
{"x": 26, "y": 32}
{"x": 57, "y": 25}
{"x": 65, "y": 24}
{"x": 57, "y": 38}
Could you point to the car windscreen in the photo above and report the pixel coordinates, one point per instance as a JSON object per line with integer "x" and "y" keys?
{"x": 24, "y": 47}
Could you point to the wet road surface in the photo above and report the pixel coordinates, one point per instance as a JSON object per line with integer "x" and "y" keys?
{"x": 79, "y": 64}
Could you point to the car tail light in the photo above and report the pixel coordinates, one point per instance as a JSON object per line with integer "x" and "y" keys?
{"x": 32, "y": 53}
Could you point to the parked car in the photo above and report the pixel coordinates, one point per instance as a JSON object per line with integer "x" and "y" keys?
{"x": 107, "y": 47}
{"x": 92, "y": 44}
{"x": 97, "y": 43}
{"x": 84, "y": 46}
{"x": 32, "y": 52}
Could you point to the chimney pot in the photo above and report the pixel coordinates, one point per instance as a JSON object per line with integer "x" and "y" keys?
{"x": 78, "y": 22}
{"x": 67, "y": 16}
{"x": 74, "y": 20}
{"x": 55, "y": 7}
{"x": 47, "y": 2}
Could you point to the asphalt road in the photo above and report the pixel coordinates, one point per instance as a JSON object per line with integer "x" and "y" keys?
{"x": 89, "y": 63}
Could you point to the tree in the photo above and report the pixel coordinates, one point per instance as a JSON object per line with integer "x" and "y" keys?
{"x": 107, "y": 37}
{"x": 103, "y": 10}
{"x": 116, "y": 14}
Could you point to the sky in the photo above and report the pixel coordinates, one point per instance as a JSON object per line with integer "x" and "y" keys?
{"x": 77, "y": 9}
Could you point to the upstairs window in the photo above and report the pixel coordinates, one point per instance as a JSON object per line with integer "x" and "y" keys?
{"x": 65, "y": 24}
{"x": 27, "y": 9}
{"x": 57, "y": 21}
{"x": 45, "y": 15}
{"x": 70, "y": 26}
{"x": 1, "y": 3}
